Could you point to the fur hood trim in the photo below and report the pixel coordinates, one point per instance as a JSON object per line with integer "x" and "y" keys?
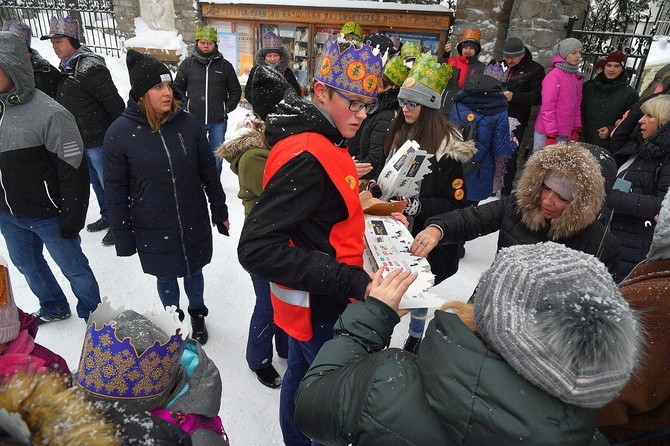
{"x": 573, "y": 161}
{"x": 236, "y": 146}
{"x": 461, "y": 151}
{"x": 284, "y": 60}
{"x": 54, "y": 414}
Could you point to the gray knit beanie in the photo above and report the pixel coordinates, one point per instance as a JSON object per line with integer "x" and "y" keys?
{"x": 514, "y": 47}
{"x": 660, "y": 243}
{"x": 567, "y": 46}
{"x": 421, "y": 94}
{"x": 557, "y": 317}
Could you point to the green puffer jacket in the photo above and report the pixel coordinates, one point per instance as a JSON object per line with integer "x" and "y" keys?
{"x": 455, "y": 392}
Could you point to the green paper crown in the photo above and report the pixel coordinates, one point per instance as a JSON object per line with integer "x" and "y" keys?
{"x": 396, "y": 70}
{"x": 206, "y": 32}
{"x": 428, "y": 71}
{"x": 411, "y": 49}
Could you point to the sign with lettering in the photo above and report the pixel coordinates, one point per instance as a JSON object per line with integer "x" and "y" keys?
{"x": 378, "y": 18}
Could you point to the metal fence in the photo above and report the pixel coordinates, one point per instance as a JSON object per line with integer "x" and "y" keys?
{"x": 598, "y": 44}
{"x": 97, "y": 26}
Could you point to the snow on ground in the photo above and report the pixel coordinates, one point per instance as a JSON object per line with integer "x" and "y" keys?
{"x": 248, "y": 409}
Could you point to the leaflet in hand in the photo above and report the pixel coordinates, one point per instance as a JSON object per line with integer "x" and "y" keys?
{"x": 387, "y": 243}
{"x": 403, "y": 172}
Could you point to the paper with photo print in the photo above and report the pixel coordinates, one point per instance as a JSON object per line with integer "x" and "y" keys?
{"x": 402, "y": 174}
{"x": 387, "y": 243}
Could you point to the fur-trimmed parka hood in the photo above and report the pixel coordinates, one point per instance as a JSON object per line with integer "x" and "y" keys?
{"x": 245, "y": 139}
{"x": 461, "y": 151}
{"x": 572, "y": 161}
{"x": 259, "y": 59}
{"x": 48, "y": 412}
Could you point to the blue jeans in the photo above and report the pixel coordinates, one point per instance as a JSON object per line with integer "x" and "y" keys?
{"x": 262, "y": 329}
{"x": 216, "y": 134}
{"x": 168, "y": 290}
{"x": 25, "y": 238}
{"x": 94, "y": 157}
{"x": 300, "y": 357}
{"x": 417, "y": 322}
{"x": 540, "y": 140}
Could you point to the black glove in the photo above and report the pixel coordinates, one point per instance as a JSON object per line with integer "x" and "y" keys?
{"x": 222, "y": 229}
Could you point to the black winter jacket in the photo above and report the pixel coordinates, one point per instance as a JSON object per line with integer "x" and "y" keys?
{"x": 525, "y": 82}
{"x": 46, "y": 75}
{"x": 209, "y": 86}
{"x": 300, "y": 204}
{"x": 455, "y": 392}
{"x": 504, "y": 215}
{"x": 633, "y": 218}
{"x": 603, "y": 102}
{"x": 156, "y": 189}
{"x": 282, "y": 67}
{"x": 368, "y": 143}
{"x": 87, "y": 91}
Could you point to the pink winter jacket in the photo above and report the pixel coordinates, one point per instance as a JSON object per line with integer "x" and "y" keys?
{"x": 560, "y": 111}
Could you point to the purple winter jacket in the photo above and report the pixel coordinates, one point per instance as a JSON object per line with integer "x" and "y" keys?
{"x": 560, "y": 111}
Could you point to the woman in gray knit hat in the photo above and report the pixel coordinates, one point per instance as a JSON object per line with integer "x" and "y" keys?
{"x": 549, "y": 340}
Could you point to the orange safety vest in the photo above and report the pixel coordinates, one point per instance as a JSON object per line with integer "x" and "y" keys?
{"x": 291, "y": 307}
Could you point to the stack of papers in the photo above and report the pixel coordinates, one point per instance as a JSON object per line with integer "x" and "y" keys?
{"x": 387, "y": 243}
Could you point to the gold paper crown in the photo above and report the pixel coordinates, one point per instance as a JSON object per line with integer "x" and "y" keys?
{"x": 356, "y": 70}
{"x": 428, "y": 71}
{"x": 396, "y": 70}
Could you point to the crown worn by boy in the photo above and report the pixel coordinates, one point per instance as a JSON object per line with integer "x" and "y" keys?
{"x": 305, "y": 234}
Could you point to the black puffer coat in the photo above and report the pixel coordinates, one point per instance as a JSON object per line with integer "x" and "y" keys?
{"x": 519, "y": 217}
{"x": 368, "y": 143}
{"x": 633, "y": 218}
{"x": 208, "y": 85}
{"x": 603, "y": 102}
{"x": 87, "y": 91}
{"x": 156, "y": 189}
{"x": 455, "y": 392}
{"x": 525, "y": 82}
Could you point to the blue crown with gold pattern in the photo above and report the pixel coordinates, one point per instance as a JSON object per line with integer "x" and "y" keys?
{"x": 112, "y": 368}
{"x": 355, "y": 70}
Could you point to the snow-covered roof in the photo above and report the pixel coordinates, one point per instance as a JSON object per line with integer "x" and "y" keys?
{"x": 336, "y": 4}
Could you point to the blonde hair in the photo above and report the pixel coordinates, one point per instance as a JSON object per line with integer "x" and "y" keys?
{"x": 154, "y": 122}
{"x": 464, "y": 311}
{"x": 659, "y": 108}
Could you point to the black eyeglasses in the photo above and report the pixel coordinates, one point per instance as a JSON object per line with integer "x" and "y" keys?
{"x": 409, "y": 105}
{"x": 356, "y": 106}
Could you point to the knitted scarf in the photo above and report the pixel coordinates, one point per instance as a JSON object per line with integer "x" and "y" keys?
{"x": 572, "y": 69}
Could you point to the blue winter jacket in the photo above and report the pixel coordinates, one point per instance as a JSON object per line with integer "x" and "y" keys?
{"x": 489, "y": 111}
{"x": 156, "y": 189}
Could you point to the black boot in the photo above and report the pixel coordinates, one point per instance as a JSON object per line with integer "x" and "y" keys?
{"x": 199, "y": 332}
{"x": 268, "y": 376}
{"x": 412, "y": 344}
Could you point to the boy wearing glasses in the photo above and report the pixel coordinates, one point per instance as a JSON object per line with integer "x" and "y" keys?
{"x": 305, "y": 234}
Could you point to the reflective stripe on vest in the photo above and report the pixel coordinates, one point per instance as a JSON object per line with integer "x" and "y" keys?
{"x": 290, "y": 296}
